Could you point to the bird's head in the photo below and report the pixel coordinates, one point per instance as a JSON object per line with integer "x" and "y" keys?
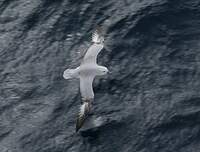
{"x": 103, "y": 70}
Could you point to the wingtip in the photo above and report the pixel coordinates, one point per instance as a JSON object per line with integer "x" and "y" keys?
{"x": 84, "y": 111}
{"x": 80, "y": 121}
{"x": 97, "y": 36}
{"x": 79, "y": 124}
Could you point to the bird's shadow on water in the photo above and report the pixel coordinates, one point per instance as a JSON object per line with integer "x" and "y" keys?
{"x": 105, "y": 133}
{"x": 91, "y": 135}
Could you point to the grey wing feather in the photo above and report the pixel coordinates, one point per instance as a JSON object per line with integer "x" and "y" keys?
{"x": 92, "y": 52}
{"x": 97, "y": 35}
{"x": 83, "y": 113}
{"x": 86, "y": 87}
{"x": 95, "y": 48}
{"x": 87, "y": 95}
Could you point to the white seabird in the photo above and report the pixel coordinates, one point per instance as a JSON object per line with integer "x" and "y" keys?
{"x": 86, "y": 72}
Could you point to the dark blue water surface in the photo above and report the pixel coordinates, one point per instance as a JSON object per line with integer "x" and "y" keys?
{"x": 149, "y": 103}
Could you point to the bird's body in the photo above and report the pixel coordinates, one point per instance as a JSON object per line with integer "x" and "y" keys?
{"x": 92, "y": 70}
{"x": 86, "y": 72}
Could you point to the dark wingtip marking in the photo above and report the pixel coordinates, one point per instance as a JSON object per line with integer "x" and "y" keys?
{"x": 97, "y": 34}
{"x": 82, "y": 116}
{"x": 79, "y": 122}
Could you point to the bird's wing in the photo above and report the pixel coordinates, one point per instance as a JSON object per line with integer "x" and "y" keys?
{"x": 86, "y": 87}
{"x": 83, "y": 113}
{"x": 87, "y": 97}
{"x": 94, "y": 49}
{"x": 97, "y": 35}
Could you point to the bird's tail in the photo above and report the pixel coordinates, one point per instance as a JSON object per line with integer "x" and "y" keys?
{"x": 83, "y": 113}
{"x": 69, "y": 73}
{"x": 97, "y": 36}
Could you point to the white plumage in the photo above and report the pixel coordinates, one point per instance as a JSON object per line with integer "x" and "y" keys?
{"x": 86, "y": 72}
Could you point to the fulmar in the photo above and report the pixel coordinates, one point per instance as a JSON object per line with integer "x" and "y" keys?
{"x": 86, "y": 72}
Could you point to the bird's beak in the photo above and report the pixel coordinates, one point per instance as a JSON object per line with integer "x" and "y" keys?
{"x": 109, "y": 72}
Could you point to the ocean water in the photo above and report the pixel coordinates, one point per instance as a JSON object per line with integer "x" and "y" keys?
{"x": 149, "y": 103}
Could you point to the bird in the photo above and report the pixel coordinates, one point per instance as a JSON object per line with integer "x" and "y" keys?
{"x": 86, "y": 73}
